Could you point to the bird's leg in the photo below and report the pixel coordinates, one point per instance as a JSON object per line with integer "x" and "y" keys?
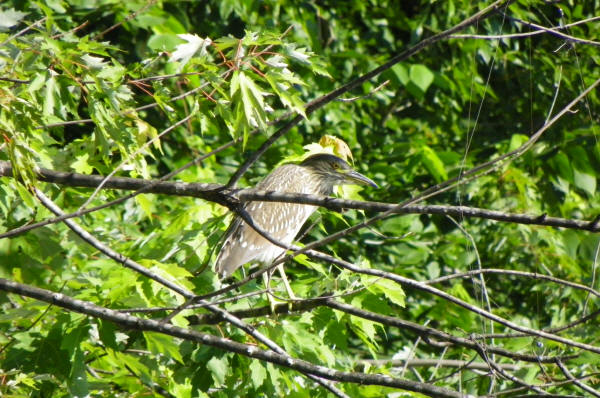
{"x": 270, "y": 297}
{"x": 288, "y": 288}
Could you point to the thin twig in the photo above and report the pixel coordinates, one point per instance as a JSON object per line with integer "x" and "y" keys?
{"x": 24, "y": 30}
{"x": 516, "y": 273}
{"x": 579, "y": 384}
{"x": 524, "y": 34}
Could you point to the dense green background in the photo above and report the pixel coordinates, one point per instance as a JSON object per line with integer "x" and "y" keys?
{"x": 454, "y": 105}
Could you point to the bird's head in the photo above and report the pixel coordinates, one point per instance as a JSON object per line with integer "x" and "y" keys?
{"x": 332, "y": 170}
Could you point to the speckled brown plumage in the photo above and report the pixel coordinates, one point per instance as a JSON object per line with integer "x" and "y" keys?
{"x": 317, "y": 175}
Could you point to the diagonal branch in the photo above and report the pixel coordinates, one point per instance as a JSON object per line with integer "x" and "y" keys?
{"x": 327, "y": 98}
{"x": 448, "y": 297}
{"x": 578, "y": 383}
{"x": 532, "y": 275}
{"x": 131, "y": 322}
{"x": 184, "y": 292}
{"x": 118, "y": 257}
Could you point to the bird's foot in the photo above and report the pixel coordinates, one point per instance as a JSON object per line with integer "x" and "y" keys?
{"x": 276, "y": 303}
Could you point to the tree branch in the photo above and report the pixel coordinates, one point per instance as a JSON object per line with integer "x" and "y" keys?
{"x": 327, "y": 98}
{"x": 218, "y": 194}
{"x": 427, "y": 333}
{"x": 448, "y": 363}
{"x": 187, "y": 294}
{"x": 579, "y": 384}
{"x": 131, "y": 322}
{"x": 532, "y": 275}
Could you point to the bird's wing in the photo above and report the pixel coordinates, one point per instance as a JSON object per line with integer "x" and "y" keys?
{"x": 241, "y": 244}
{"x": 225, "y": 264}
{"x": 282, "y": 221}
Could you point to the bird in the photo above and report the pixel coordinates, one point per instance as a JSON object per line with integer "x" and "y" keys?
{"x": 318, "y": 175}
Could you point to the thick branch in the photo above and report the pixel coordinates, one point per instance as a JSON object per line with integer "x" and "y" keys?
{"x": 250, "y": 330}
{"x": 427, "y": 333}
{"x": 131, "y": 322}
{"x": 204, "y": 191}
{"x": 216, "y": 193}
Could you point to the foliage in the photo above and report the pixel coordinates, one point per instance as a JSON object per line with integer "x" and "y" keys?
{"x": 125, "y": 73}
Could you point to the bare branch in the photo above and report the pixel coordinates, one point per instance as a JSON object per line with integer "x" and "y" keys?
{"x": 216, "y": 193}
{"x": 24, "y": 30}
{"x": 327, "y": 98}
{"x": 189, "y": 295}
{"x": 533, "y": 275}
{"x": 537, "y": 31}
{"x": 127, "y": 19}
{"x": 251, "y": 351}
{"x": 447, "y": 363}
{"x": 555, "y": 32}
{"x": 579, "y": 384}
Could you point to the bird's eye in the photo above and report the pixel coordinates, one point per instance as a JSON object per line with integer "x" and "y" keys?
{"x": 335, "y": 166}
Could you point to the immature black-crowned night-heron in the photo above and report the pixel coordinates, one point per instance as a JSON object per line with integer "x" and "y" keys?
{"x": 317, "y": 175}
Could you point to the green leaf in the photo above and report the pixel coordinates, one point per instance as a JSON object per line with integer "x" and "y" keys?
{"x": 163, "y": 42}
{"x": 26, "y": 196}
{"x": 107, "y": 333}
{"x": 51, "y": 99}
{"x": 234, "y": 84}
{"x": 9, "y": 18}
{"x": 258, "y": 373}
{"x": 434, "y": 164}
{"x": 275, "y": 376}
{"x": 584, "y": 181}
{"x": 562, "y": 166}
{"x": 17, "y": 314}
{"x": 161, "y": 344}
{"x": 516, "y": 141}
{"x": 252, "y": 99}
{"x": 81, "y": 165}
{"x": 219, "y": 367}
{"x": 390, "y": 289}
{"x": 364, "y": 328}
{"x": 38, "y": 82}
{"x": 401, "y": 73}
{"x": 421, "y": 76}
{"x": 146, "y": 204}
{"x": 78, "y": 384}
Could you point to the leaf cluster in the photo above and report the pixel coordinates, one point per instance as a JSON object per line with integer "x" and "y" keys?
{"x": 139, "y": 89}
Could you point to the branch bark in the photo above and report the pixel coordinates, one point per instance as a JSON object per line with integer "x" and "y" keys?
{"x": 425, "y": 332}
{"x": 230, "y": 198}
{"x": 248, "y": 329}
{"x": 131, "y": 322}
